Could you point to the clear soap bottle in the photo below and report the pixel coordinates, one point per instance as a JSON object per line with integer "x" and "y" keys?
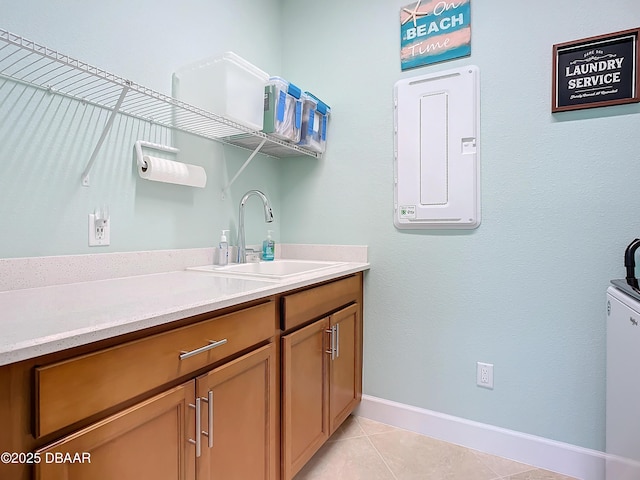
{"x": 223, "y": 249}
{"x": 268, "y": 247}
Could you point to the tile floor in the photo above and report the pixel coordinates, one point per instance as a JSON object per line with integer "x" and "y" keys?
{"x": 362, "y": 449}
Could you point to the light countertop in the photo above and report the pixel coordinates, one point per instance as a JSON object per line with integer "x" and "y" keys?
{"x": 46, "y": 319}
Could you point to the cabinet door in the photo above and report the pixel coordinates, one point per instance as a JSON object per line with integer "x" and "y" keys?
{"x": 304, "y": 394}
{"x": 238, "y": 416}
{"x": 345, "y": 384}
{"x": 148, "y": 440}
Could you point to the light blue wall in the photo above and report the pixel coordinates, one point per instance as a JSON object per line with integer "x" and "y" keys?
{"x": 525, "y": 291}
{"x": 46, "y": 141}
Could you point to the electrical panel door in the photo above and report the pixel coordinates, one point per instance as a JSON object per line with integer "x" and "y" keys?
{"x": 437, "y": 150}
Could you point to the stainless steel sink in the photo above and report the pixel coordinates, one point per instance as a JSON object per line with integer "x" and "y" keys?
{"x": 277, "y": 269}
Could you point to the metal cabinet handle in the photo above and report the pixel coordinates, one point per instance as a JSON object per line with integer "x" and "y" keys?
{"x": 198, "y": 406}
{"x": 337, "y": 327}
{"x": 335, "y": 348}
{"x": 331, "y": 350}
{"x": 212, "y": 344}
{"x": 209, "y": 433}
{"x": 197, "y": 441}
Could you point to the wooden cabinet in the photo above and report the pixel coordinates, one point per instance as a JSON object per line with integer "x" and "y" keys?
{"x": 345, "y": 372}
{"x": 305, "y": 390}
{"x": 239, "y": 419}
{"x": 110, "y": 376}
{"x": 220, "y": 425}
{"x": 321, "y": 378}
{"x": 149, "y": 440}
{"x": 250, "y": 392}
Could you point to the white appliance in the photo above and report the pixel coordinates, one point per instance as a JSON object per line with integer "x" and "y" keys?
{"x": 623, "y": 382}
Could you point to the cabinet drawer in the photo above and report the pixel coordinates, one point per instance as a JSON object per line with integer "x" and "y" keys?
{"x": 74, "y": 389}
{"x": 300, "y": 307}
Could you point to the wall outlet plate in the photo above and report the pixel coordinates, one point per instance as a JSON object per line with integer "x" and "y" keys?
{"x": 484, "y": 375}
{"x": 99, "y": 232}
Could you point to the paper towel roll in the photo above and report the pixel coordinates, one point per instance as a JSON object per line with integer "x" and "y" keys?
{"x": 168, "y": 171}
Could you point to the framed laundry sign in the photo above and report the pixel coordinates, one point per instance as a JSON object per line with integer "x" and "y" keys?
{"x": 596, "y": 71}
{"x": 434, "y": 31}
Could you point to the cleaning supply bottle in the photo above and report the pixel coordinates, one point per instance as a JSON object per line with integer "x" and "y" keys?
{"x": 223, "y": 249}
{"x": 268, "y": 247}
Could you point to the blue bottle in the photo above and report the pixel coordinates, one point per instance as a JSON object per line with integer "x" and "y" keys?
{"x": 268, "y": 247}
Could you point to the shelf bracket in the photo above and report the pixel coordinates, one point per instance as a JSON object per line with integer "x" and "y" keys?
{"x": 103, "y": 136}
{"x": 244, "y": 165}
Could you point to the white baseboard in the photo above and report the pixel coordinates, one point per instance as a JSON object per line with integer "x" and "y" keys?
{"x": 540, "y": 452}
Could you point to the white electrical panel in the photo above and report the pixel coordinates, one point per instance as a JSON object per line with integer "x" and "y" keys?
{"x": 437, "y": 150}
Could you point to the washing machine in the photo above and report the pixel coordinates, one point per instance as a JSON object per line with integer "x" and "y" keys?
{"x": 623, "y": 382}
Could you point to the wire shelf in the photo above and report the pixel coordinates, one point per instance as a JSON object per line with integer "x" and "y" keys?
{"x": 29, "y": 63}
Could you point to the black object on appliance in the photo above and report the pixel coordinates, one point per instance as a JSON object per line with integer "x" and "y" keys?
{"x": 630, "y": 263}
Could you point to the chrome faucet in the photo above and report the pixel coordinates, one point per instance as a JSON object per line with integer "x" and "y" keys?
{"x": 268, "y": 217}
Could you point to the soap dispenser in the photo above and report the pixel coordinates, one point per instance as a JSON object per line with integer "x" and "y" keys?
{"x": 223, "y": 249}
{"x": 268, "y": 247}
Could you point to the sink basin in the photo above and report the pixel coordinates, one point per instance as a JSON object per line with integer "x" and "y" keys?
{"x": 277, "y": 269}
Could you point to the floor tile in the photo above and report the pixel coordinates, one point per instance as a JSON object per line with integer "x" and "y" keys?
{"x": 350, "y": 459}
{"x": 502, "y": 466}
{"x": 538, "y": 475}
{"x": 371, "y": 427}
{"x": 350, "y": 428}
{"x": 362, "y": 449}
{"x": 411, "y": 456}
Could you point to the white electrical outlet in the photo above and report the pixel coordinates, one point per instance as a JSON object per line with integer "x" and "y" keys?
{"x": 484, "y": 375}
{"x": 99, "y": 231}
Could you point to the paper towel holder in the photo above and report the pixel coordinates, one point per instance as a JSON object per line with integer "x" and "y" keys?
{"x": 156, "y": 146}
{"x": 168, "y": 171}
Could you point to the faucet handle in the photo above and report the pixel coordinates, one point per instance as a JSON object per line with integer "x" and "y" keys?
{"x": 251, "y": 255}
